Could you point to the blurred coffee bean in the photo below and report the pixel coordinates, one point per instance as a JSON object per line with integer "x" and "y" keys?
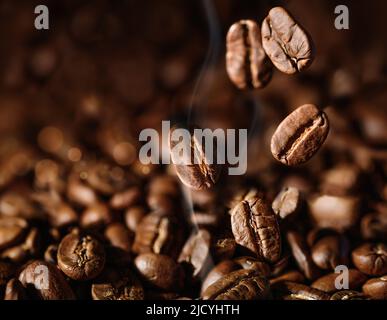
{"x": 11, "y": 231}
{"x": 255, "y": 228}
{"x": 15, "y": 290}
{"x": 292, "y": 276}
{"x": 246, "y": 62}
{"x": 287, "y": 203}
{"x": 376, "y": 288}
{"x": 339, "y": 213}
{"x": 374, "y": 226}
{"x": 119, "y": 236}
{"x": 250, "y": 263}
{"x": 195, "y": 169}
{"x": 125, "y": 199}
{"x": 371, "y": 258}
{"x": 330, "y": 251}
{"x": 160, "y": 271}
{"x": 133, "y": 217}
{"x": 43, "y": 61}
{"x": 302, "y": 255}
{"x": 7, "y": 271}
{"x": 286, "y": 43}
{"x": 81, "y": 257}
{"x": 299, "y": 136}
{"x": 327, "y": 283}
{"x": 51, "y": 253}
{"x": 95, "y": 215}
{"x": 80, "y": 193}
{"x": 48, "y": 282}
{"x": 13, "y": 204}
{"x": 238, "y": 285}
{"x": 341, "y": 180}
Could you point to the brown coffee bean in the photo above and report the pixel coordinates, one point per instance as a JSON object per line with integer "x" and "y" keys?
{"x": 347, "y": 295}
{"x": 280, "y": 266}
{"x": 376, "y": 288}
{"x": 296, "y": 291}
{"x": 13, "y": 204}
{"x": 95, "y": 216}
{"x": 48, "y": 282}
{"x": 327, "y": 283}
{"x": 301, "y": 255}
{"x": 338, "y": 213}
{"x": 11, "y": 231}
{"x": 292, "y": 276}
{"x": 223, "y": 248}
{"x": 80, "y": 193}
{"x": 158, "y": 233}
{"x": 238, "y": 285}
{"x": 340, "y": 180}
{"x": 196, "y": 252}
{"x": 208, "y": 220}
{"x": 125, "y": 199}
{"x": 246, "y": 62}
{"x": 81, "y": 257}
{"x": 250, "y": 263}
{"x": 300, "y": 135}
{"x": 119, "y": 236}
{"x": 286, "y": 43}
{"x": 194, "y": 168}
{"x": 15, "y": 290}
{"x": 371, "y": 258}
{"x": 162, "y": 203}
{"x": 255, "y": 227}
{"x": 118, "y": 285}
{"x": 164, "y": 184}
{"x": 374, "y": 226}
{"x": 16, "y": 254}
{"x": 7, "y": 270}
{"x": 330, "y": 251}
{"x": 51, "y": 253}
{"x": 287, "y": 203}
{"x": 217, "y": 272}
{"x": 160, "y": 271}
{"x": 133, "y": 217}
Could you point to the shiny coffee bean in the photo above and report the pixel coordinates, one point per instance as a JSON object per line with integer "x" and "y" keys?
{"x": 287, "y": 44}
{"x": 51, "y": 253}
{"x": 194, "y": 168}
{"x": 133, "y": 217}
{"x": 239, "y": 285}
{"x": 296, "y": 291}
{"x": 250, "y": 263}
{"x": 160, "y": 271}
{"x": 376, "y": 288}
{"x": 330, "y": 251}
{"x": 246, "y": 62}
{"x": 125, "y": 199}
{"x": 95, "y": 216}
{"x": 47, "y": 280}
{"x": 328, "y": 284}
{"x": 371, "y": 258}
{"x": 218, "y": 271}
{"x": 255, "y": 228}
{"x": 80, "y": 256}
{"x": 347, "y": 295}
{"x": 299, "y": 136}
{"x": 287, "y": 203}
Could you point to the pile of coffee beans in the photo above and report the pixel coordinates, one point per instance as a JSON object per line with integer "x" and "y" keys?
{"x": 81, "y": 217}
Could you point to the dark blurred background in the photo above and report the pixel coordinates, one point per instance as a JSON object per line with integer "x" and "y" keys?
{"x": 106, "y": 69}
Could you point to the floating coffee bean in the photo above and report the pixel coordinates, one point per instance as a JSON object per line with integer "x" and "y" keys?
{"x": 371, "y": 258}
{"x": 81, "y": 257}
{"x": 239, "y": 285}
{"x": 246, "y": 62}
{"x": 194, "y": 168}
{"x": 328, "y": 284}
{"x": 47, "y": 280}
{"x": 286, "y": 43}
{"x": 300, "y": 135}
{"x": 255, "y": 227}
{"x": 160, "y": 271}
{"x": 287, "y": 203}
{"x": 376, "y": 288}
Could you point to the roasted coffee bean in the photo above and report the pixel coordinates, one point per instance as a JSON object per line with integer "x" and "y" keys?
{"x": 296, "y": 291}
{"x": 239, "y": 285}
{"x": 80, "y": 193}
{"x": 316, "y": 234}
{"x": 374, "y": 226}
{"x": 302, "y": 255}
{"x": 196, "y": 252}
{"x": 221, "y": 269}
{"x": 193, "y": 166}
{"x": 15, "y": 290}
{"x": 95, "y": 216}
{"x": 160, "y": 271}
{"x": 341, "y": 180}
{"x": 338, "y": 213}
{"x": 371, "y": 258}
{"x": 81, "y": 256}
{"x": 292, "y": 276}
{"x": 13, "y": 204}
{"x": 246, "y": 62}
{"x": 223, "y": 248}
{"x": 347, "y": 295}
{"x": 119, "y": 236}
{"x": 376, "y": 288}
{"x": 328, "y": 283}
{"x": 287, "y": 44}
{"x": 280, "y": 266}
{"x": 287, "y": 203}
{"x": 133, "y": 217}
{"x": 240, "y": 195}
{"x": 118, "y": 285}
{"x": 16, "y": 254}
{"x": 125, "y": 199}
{"x": 250, "y": 263}
{"x": 46, "y": 279}
{"x": 299, "y": 136}
{"x": 330, "y": 251}
{"x": 255, "y": 228}
{"x": 162, "y": 203}
{"x": 51, "y": 253}
{"x": 11, "y": 231}
{"x": 158, "y": 233}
